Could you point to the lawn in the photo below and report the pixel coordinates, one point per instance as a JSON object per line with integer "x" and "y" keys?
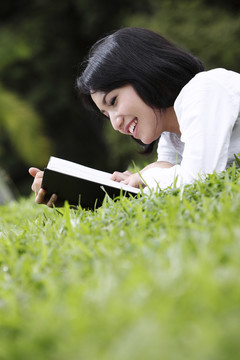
{"x": 148, "y": 278}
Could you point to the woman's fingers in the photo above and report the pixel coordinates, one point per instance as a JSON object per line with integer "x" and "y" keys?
{"x": 40, "y": 195}
{"x": 33, "y": 171}
{"x": 52, "y": 200}
{"x": 120, "y": 176}
{"x": 37, "y": 182}
{"x": 127, "y": 172}
{"x": 128, "y": 178}
{"x": 133, "y": 180}
{"x": 40, "y": 198}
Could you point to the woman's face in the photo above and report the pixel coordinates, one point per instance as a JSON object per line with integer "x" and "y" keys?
{"x": 129, "y": 114}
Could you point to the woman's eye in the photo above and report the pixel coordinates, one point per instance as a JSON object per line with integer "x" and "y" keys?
{"x": 112, "y": 102}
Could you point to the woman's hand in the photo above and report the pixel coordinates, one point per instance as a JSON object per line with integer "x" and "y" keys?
{"x": 39, "y": 191}
{"x": 135, "y": 180}
{"x": 128, "y": 178}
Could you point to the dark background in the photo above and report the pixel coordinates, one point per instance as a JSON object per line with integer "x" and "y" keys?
{"x": 42, "y": 45}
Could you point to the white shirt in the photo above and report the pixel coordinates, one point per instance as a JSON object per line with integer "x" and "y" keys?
{"x": 207, "y": 111}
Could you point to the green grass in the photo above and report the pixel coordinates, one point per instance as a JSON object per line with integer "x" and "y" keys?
{"x": 150, "y": 278}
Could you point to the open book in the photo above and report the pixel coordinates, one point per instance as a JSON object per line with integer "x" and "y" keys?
{"x": 80, "y": 184}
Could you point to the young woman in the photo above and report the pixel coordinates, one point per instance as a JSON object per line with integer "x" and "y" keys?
{"x": 154, "y": 91}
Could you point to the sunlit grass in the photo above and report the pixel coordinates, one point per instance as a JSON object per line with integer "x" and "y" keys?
{"x": 149, "y": 278}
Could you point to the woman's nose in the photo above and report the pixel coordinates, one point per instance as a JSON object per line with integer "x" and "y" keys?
{"x": 117, "y": 122}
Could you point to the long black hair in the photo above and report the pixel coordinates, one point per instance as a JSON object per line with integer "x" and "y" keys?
{"x": 156, "y": 68}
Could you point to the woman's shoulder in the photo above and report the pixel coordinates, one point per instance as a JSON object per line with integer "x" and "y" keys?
{"x": 215, "y": 77}
{"x": 218, "y": 75}
{"x": 210, "y": 81}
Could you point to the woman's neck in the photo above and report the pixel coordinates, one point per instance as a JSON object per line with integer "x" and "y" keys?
{"x": 170, "y": 121}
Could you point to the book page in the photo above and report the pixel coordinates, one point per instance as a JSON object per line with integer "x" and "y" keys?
{"x": 74, "y": 169}
{"x": 84, "y": 172}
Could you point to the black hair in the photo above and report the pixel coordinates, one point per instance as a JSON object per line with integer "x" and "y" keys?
{"x": 156, "y": 68}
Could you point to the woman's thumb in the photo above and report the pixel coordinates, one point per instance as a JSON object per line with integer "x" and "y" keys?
{"x": 33, "y": 171}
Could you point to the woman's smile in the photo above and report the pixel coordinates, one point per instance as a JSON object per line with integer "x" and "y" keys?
{"x": 132, "y": 127}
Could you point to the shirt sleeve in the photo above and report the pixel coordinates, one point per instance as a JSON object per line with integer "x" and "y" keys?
{"x": 206, "y": 112}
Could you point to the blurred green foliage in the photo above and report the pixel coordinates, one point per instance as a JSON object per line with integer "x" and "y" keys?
{"x": 42, "y": 45}
{"x": 23, "y": 127}
{"x": 20, "y": 125}
{"x": 9, "y": 53}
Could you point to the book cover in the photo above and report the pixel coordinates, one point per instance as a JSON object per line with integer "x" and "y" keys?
{"x": 80, "y": 184}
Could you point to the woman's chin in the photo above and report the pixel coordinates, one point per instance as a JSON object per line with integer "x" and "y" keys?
{"x": 147, "y": 141}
